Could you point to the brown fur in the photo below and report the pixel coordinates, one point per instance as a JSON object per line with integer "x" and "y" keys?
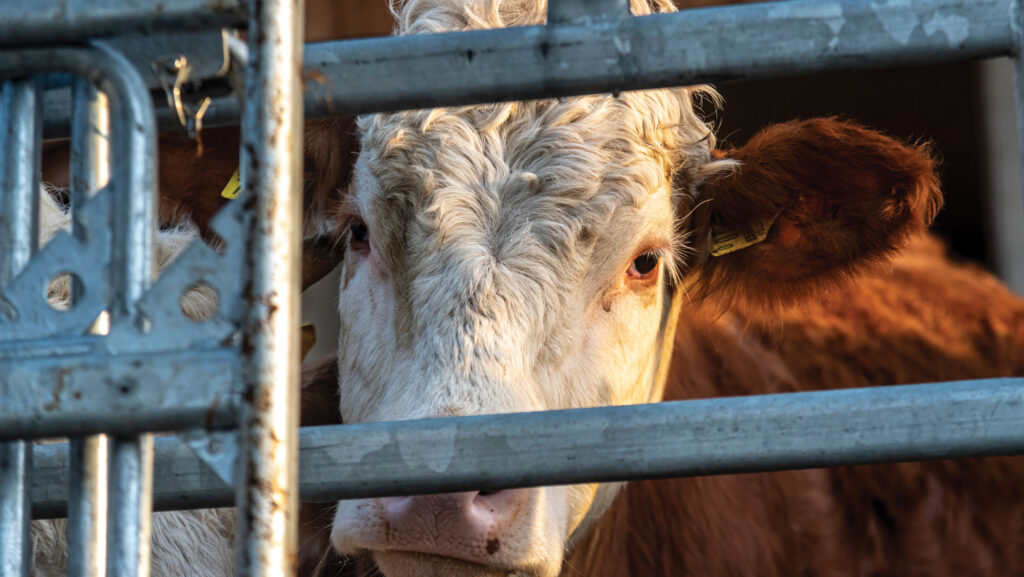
{"x": 190, "y": 184}
{"x": 920, "y": 319}
{"x": 845, "y": 195}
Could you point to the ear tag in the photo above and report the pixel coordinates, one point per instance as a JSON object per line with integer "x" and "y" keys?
{"x": 724, "y": 241}
{"x": 308, "y": 339}
{"x": 233, "y": 187}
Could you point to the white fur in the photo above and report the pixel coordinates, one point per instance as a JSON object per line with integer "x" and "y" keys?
{"x": 185, "y": 543}
{"x": 495, "y": 280}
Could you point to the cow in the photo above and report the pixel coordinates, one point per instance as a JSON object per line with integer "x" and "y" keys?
{"x": 570, "y": 253}
{"x": 533, "y": 255}
{"x": 917, "y": 318}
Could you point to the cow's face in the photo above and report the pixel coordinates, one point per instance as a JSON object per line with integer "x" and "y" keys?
{"x": 505, "y": 258}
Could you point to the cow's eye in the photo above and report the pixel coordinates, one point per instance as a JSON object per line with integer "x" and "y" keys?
{"x": 644, "y": 265}
{"x": 359, "y": 235}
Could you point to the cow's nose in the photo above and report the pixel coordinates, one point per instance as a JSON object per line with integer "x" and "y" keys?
{"x": 467, "y": 526}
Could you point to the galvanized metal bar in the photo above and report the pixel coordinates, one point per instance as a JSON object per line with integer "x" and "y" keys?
{"x": 15, "y": 509}
{"x": 131, "y": 480}
{"x": 716, "y": 45}
{"x": 20, "y": 154}
{"x": 86, "y": 482}
{"x": 267, "y": 491}
{"x": 134, "y": 179}
{"x": 42, "y": 22}
{"x": 753, "y": 41}
{"x": 564, "y": 11}
{"x": 86, "y": 394}
{"x": 87, "y": 508}
{"x": 676, "y": 439}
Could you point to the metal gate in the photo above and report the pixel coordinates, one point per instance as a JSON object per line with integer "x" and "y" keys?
{"x": 109, "y": 389}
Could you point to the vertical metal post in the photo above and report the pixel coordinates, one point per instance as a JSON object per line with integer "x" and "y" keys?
{"x": 267, "y": 491}
{"x": 133, "y": 178}
{"x": 87, "y": 495}
{"x": 20, "y": 143}
{"x": 131, "y": 481}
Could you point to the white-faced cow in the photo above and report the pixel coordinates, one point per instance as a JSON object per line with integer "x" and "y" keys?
{"x": 533, "y": 255}
{"x": 539, "y": 255}
{"x": 522, "y": 256}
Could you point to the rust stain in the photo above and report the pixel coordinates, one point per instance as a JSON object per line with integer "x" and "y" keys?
{"x": 212, "y": 412}
{"x": 62, "y": 384}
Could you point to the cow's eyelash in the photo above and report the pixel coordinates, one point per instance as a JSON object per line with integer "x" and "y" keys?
{"x": 347, "y": 215}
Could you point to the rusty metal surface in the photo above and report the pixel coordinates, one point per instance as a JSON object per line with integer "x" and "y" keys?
{"x": 267, "y": 490}
{"x": 79, "y": 395}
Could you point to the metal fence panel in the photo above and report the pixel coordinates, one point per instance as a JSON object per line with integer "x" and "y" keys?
{"x": 116, "y": 383}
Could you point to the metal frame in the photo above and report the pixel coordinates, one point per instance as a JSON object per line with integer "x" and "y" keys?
{"x": 88, "y": 384}
{"x": 131, "y": 367}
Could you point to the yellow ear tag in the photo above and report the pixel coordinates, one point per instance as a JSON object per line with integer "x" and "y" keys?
{"x": 308, "y": 339}
{"x": 724, "y": 241}
{"x": 233, "y": 187}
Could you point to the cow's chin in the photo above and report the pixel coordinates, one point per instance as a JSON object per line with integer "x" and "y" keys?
{"x": 408, "y": 564}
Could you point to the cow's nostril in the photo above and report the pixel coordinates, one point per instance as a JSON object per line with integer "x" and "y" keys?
{"x": 488, "y": 493}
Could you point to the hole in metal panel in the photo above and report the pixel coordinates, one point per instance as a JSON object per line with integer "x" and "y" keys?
{"x": 60, "y": 288}
{"x": 199, "y": 302}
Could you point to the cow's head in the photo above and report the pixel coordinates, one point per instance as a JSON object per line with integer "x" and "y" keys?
{"x": 527, "y": 256}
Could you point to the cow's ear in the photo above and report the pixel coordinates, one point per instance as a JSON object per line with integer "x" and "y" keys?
{"x": 330, "y": 147}
{"x": 196, "y": 181}
{"x": 808, "y": 203}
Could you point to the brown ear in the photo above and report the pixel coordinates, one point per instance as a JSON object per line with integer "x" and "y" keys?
{"x": 191, "y": 183}
{"x": 844, "y": 197}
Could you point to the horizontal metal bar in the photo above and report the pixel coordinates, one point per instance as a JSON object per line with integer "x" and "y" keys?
{"x": 703, "y": 437}
{"x": 690, "y": 47}
{"x": 72, "y": 396}
{"x": 42, "y": 22}
{"x": 722, "y": 44}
